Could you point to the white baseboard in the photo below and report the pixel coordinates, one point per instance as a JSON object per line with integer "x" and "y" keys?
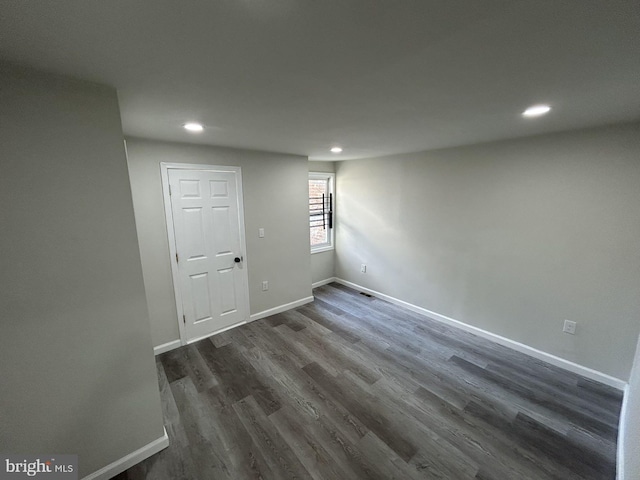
{"x": 323, "y": 282}
{"x": 620, "y": 473}
{"x": 165, "y": 347}
{"x": 520, "y": 347}
{"x": 130, "y": 460}
{"x": 280, "y": 309}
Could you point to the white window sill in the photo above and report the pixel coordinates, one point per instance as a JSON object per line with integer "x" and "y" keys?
{"x": 322, "y": 249}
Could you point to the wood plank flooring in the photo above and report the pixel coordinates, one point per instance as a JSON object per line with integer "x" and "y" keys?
{"x": 353, "y": 387}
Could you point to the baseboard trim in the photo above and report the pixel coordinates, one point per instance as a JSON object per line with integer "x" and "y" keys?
{"x": 520, "y": 347}
{"x": 620, "y": 473}
{"x": 280, "y": 309}
{"x": 165, "y": 347}
{"x": 323, "y": 282}
{"x": 130, "y": 460}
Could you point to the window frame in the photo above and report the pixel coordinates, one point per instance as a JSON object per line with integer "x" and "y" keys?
{"x": 330, "y": 178}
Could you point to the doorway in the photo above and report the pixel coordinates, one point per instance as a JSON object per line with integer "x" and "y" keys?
{"x": 205, "y": 225}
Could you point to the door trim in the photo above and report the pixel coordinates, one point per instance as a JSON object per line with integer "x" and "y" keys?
{"x": 168, "y": 213}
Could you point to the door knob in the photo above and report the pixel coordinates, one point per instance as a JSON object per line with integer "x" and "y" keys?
{"x": 237, "y": 259}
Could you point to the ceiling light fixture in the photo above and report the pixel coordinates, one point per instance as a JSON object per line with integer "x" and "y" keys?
{"x": 536, "y": 110}
{"x": 336, "y": 150}
{"x": 193, "y": 127}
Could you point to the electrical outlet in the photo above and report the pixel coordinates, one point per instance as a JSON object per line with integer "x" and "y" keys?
{"x": 261, "y": 232}
{"x": 569, "y": 327}
{"x": 265, "y": 285}
{"x": 363, "y": 268}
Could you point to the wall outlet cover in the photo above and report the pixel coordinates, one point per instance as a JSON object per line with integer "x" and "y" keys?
{"x": 569, "y": 327}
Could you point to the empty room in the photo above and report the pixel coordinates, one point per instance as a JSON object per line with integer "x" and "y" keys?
{"x": 355, "y": 239}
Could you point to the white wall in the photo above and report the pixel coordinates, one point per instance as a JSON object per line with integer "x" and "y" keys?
{"x": 77, "y": 371}
{"x": 629, "y": 433}
{"x": 512, "y": 237}
{"x": 275, "y": 191}
{"x": 322, "y": 263}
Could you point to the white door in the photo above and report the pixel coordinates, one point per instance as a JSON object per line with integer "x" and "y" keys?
{"x": 209, "y": 241}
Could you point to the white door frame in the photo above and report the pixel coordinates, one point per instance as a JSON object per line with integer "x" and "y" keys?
{"x": 164, "y": 173}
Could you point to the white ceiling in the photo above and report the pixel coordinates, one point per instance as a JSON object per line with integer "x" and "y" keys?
{"x": 376, "y": 77}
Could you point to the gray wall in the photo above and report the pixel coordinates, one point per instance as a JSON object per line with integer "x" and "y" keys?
{"x": 78, "y": 373}
{"x": 511, "y": 237}
{"x": 629, "y": 433}
{"x": 275, "y": 198}
{"x": 322, "y": 263}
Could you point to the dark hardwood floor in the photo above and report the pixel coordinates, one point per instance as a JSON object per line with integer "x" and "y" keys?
{"x": 352, "y": 387}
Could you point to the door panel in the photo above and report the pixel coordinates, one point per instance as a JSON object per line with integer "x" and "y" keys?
{"x": 219, "y": 188}
{"x": 222, "y": 240}
{"x": 227, "y": 291}
{"x": 190, "y": 189}
{"x": 194, "y": 239}
{"x": 207, "y": 230}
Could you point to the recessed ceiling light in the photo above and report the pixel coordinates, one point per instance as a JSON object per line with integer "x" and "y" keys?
{"x": 536, "y": 110}
{"x": 336, "y": 150}
{"x": 193, "y": 127}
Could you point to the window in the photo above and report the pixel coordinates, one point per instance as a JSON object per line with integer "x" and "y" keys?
{"x": 321, "y": 206}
